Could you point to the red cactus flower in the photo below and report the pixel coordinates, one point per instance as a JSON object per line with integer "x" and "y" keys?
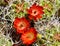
{"x": 35, "y": 12}
{"x": 21, "y": 24}
{"x": 29, "y": 37}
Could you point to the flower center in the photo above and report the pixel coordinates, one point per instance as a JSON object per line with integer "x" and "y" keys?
{"x": 34, "y": 12}
{"x": 30, "y": 36}
{"x": 22, "y": 25}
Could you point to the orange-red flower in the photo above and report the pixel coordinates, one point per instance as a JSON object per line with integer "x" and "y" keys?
{"x": 29, "y": 37}
{"x": 35, "y": 12}
{"x": 21, "y": 24}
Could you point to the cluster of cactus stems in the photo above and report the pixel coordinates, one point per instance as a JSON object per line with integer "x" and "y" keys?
{"x": 48, "y": 27}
